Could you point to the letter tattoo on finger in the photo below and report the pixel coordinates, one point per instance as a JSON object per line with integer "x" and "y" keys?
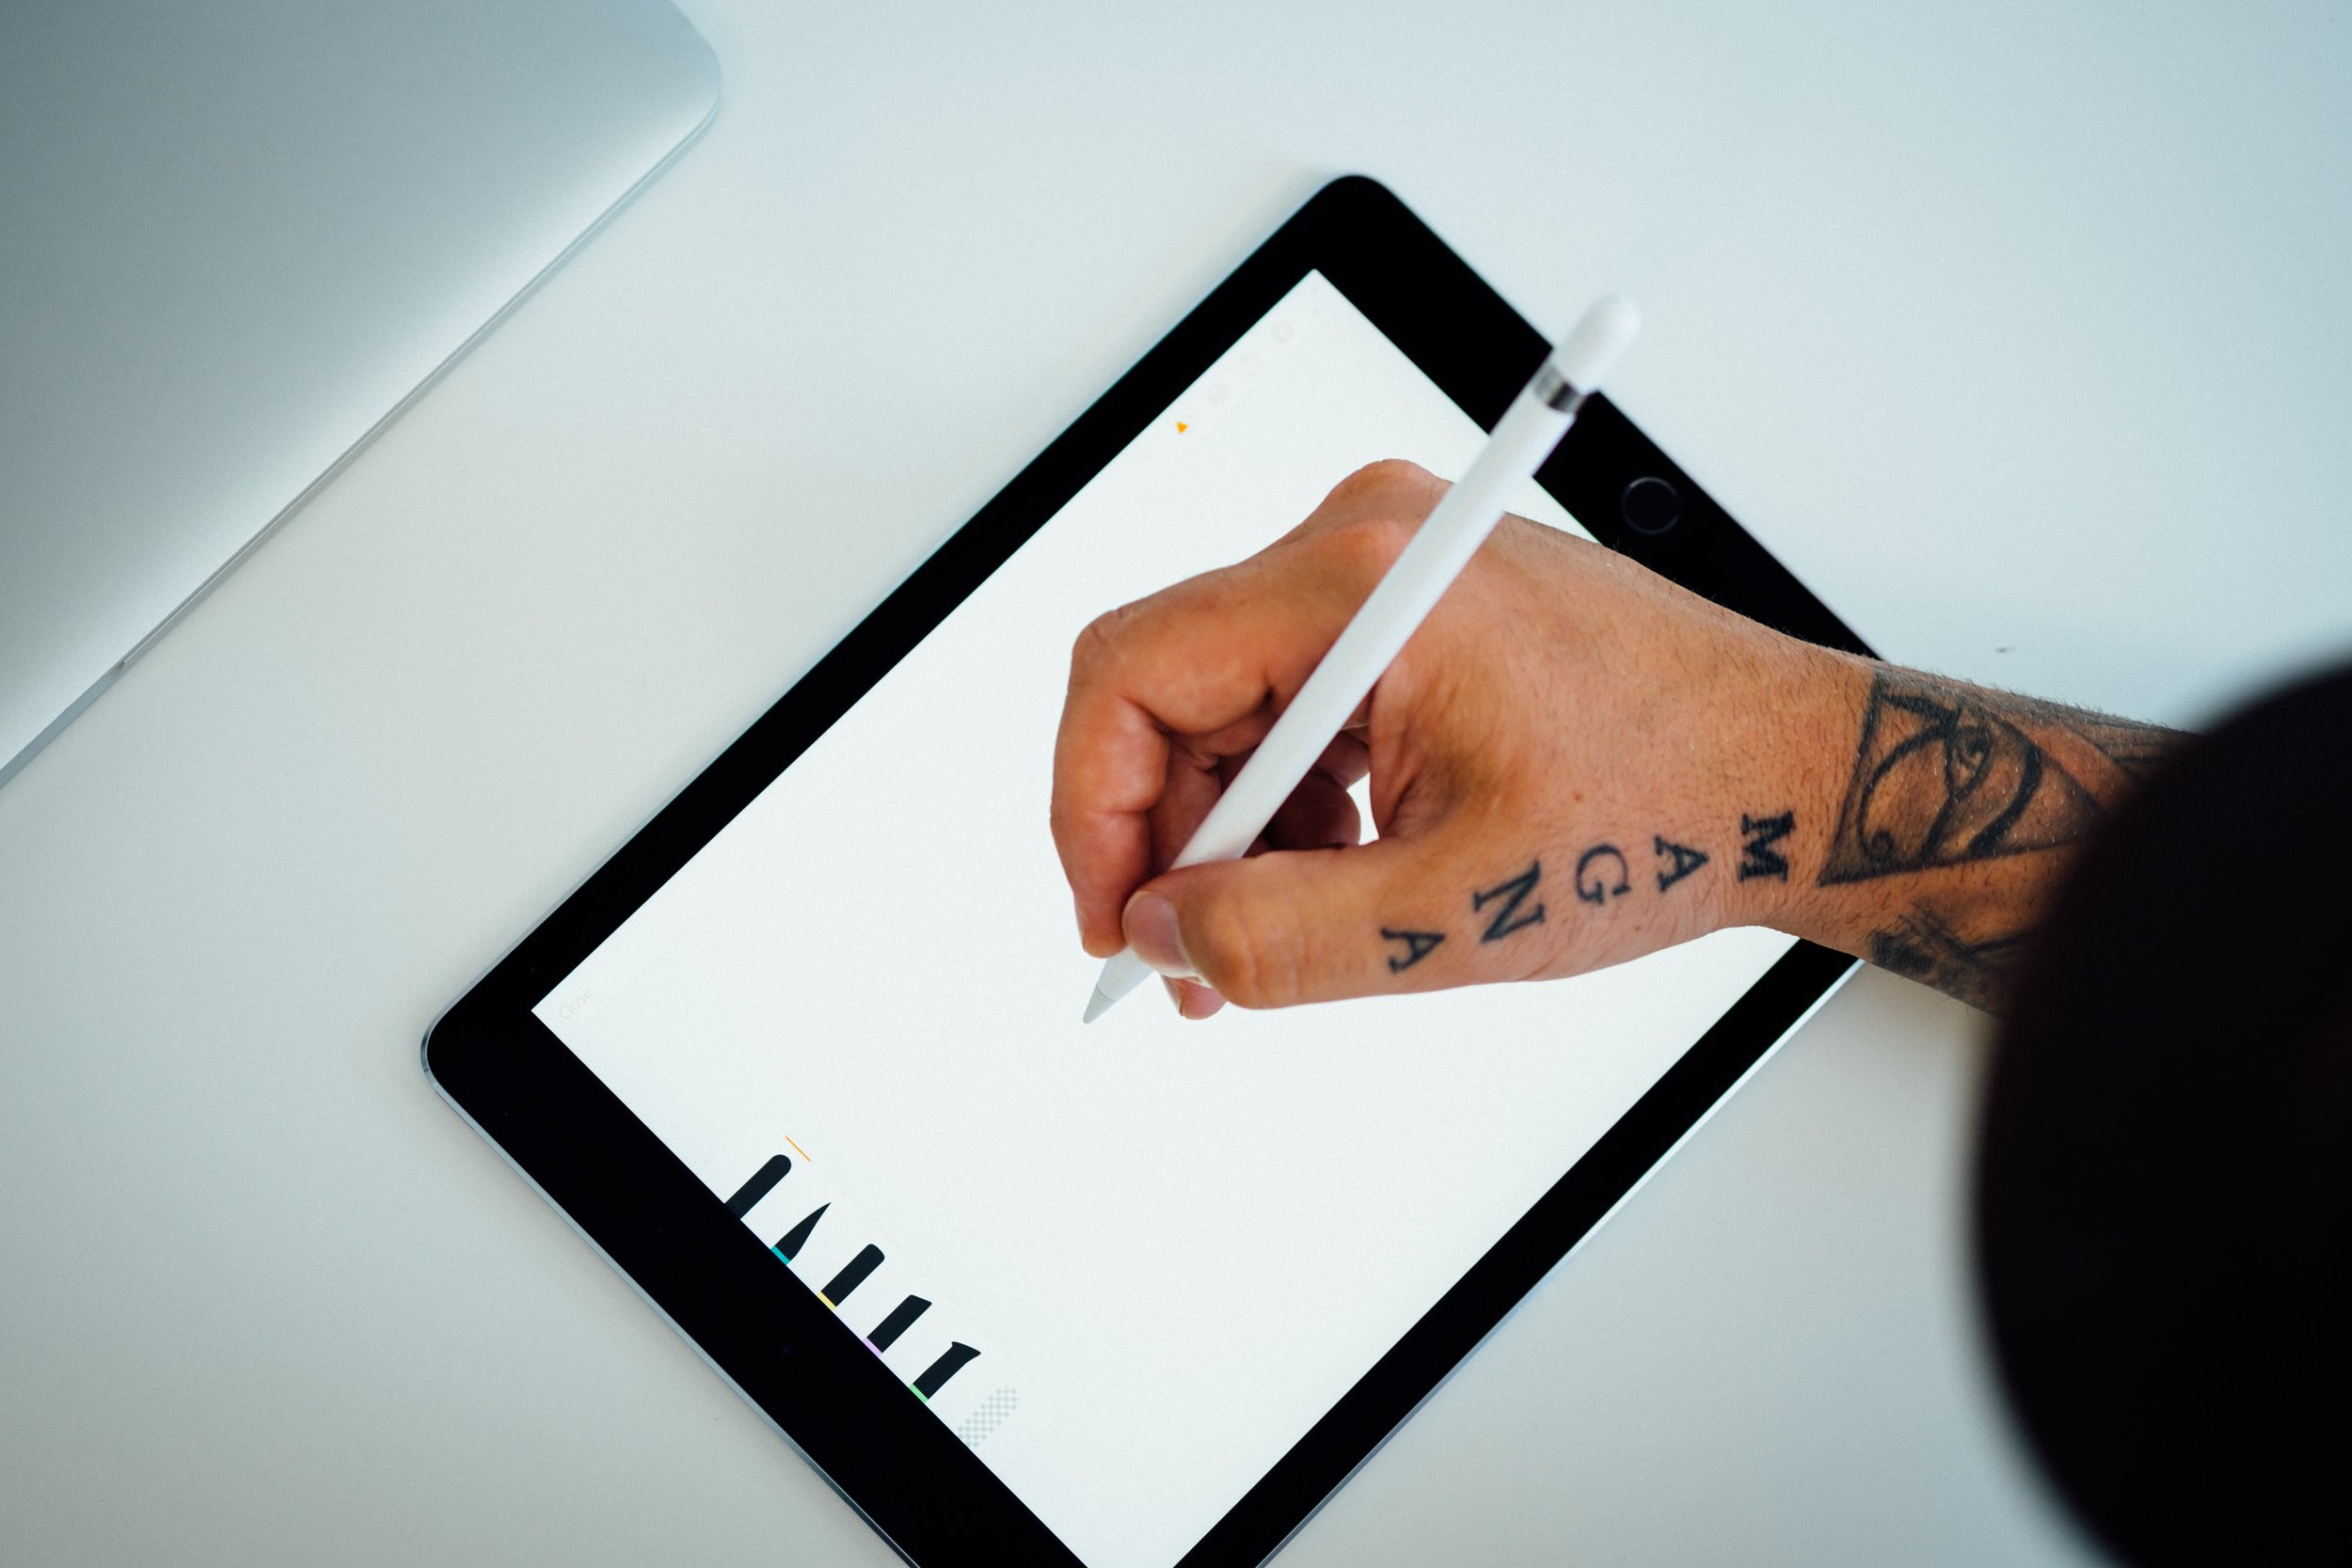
{"x": 1601, "y": 874}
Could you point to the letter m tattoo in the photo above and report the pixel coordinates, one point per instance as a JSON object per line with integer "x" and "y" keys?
{"x": 1510, "y": 894}
{"x": 1757, "y": 858}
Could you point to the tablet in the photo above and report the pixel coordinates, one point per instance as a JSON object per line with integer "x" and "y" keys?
{"x": 803, "y": 1059}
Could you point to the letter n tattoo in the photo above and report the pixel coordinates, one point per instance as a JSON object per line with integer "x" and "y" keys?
{"x": 1757, "y": 858}
{"x": 1510, "y": 894}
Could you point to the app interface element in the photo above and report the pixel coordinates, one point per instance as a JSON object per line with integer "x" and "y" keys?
{"x": 1129, "y": 1263}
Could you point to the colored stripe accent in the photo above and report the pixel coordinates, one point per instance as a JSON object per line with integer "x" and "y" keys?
{"x": 853, "y": 1273}
{"x": 950, "y": 1362}
{"x": 792, "y": 1241}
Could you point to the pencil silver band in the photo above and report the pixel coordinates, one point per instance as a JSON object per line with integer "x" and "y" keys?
{"x": 1555, "y": 390}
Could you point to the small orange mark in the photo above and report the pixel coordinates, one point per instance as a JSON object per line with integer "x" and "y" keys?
{"x": 799, "y": 1150}
{"x": 1180, "y": 428}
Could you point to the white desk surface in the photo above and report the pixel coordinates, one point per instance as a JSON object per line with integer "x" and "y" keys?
{"x": 2020, "y": 334}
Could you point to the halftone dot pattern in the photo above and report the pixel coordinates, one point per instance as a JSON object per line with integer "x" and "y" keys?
{"x": 987, "y": 1416}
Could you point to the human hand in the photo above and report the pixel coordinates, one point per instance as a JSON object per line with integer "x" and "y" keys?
{"x": 1574, "y": 762}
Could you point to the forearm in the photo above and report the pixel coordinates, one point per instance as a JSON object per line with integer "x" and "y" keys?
{"x": 1938, "y": 819}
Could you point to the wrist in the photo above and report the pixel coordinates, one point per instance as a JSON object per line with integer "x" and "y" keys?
{"x": 1800, "y": 729}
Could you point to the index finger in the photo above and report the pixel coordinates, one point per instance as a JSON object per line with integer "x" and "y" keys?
{"x": 1206, "y": 665}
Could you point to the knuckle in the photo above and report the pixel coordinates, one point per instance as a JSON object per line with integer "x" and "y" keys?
{"x": 1251, "y": 952}
{"x": 1371, "y": 542}
{"x": 1391, "y": 480}
{"x": 1098, "y": 643}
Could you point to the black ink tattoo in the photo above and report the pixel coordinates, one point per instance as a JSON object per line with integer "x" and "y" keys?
{"x": 2132, "y": 749}
{"x": 1945, "y": 776}
{"x": 1417, "y": 946}
{"x": 1757, "y": 858}
{"x": 1601, "y": 874}
{"x": 1924, "y": 948}
{"x": 1686, "y": 860}
{"x": 1512, "y": 894}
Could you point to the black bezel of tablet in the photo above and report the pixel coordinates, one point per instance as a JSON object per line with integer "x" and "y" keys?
{"x": 918, "y": 1484}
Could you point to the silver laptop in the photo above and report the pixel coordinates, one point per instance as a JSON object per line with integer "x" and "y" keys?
{"x": 237, "y": 237}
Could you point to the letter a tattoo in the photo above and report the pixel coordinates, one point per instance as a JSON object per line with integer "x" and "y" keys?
{"x": 1512, "y": 894}
{"x": 1757, "y": 858}
{"x": 1417, "y": 946}
{"x": 1686, "y": 860}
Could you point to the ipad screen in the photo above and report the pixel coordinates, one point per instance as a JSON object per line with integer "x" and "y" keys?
{"x": 1129, "y": 1263}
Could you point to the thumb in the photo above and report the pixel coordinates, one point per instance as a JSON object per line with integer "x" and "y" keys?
{"x": 1308, "y": 925}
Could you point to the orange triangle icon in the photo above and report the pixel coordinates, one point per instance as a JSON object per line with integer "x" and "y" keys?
{"x": 1182, "y": 427}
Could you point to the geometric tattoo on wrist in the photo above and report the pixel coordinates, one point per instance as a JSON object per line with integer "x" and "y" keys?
{"x": 1946, "y": 775}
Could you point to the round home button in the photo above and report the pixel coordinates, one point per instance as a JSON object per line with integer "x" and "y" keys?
{"x": 1651, "y": 506}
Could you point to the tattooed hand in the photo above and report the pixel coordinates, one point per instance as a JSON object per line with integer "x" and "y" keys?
{"x": 1569, "y": 762}
{"x": 1573, "y": 762}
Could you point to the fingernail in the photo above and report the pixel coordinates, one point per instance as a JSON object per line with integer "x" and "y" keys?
{"x": 1150, "y": 921}
{"x": 1193, "y": 1000}
{"x": 1197, "y": 1001}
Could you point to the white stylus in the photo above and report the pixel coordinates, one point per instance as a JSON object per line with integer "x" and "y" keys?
{"x": 1522, "y": 439}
